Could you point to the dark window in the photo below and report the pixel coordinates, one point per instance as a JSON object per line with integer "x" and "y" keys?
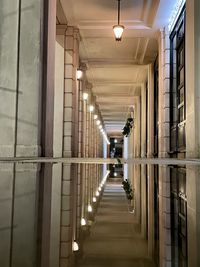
{"x": 177, "y": 86}
{"x": 178, "y": 217}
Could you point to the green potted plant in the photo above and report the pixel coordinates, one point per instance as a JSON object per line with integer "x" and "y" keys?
{"x": 128, "y": 127}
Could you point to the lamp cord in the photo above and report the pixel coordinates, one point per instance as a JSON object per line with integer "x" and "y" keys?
{"x": 119, "y": 12}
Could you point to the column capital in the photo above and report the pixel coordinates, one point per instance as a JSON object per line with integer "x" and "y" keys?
{"x": 61, "y": 29}
{"x": 77, "y": 34}
{"x": 83, "y": 66}
{"x": 89, "y": 86}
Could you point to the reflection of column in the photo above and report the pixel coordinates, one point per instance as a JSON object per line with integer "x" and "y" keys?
{"x": 143, "y": 201}
{"x": 150, "y": 208}
{"x": 192, "y": 66}
{"x": 164, "y": 215}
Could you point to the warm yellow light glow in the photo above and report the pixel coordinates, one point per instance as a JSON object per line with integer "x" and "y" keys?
{"x": 94, "y": 199}
{"x": 91, "y": 108}
{"x": 89, "y": 208}
{"x": 118, "y": 30}
{"x": 79, "y": 74}
{"x": 99, "y": 188}
{"x": 85, "y": 96}
{"x": 97, "y": 193}
{"x": 75, "y": 246}
{"x": 83, "y": 221}
{"x": 115, "y": 174}
{"x": 95, "y": 116}
{"x": 98, "y": 122}
{"x": 100, "y": 126}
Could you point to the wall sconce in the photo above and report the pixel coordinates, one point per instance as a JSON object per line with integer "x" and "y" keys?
{"x": 91, "y": 108}
{"x": 85, "y": 96}
{"x": 75, "y": 246}
{"x": 83, "y": 221}
{"x": 89, "y": 208}
{"x": 79, "y": 74}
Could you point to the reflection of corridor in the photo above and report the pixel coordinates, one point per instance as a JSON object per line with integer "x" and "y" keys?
{"x": 115, "y": 239}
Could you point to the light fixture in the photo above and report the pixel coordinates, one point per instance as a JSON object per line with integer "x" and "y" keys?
{"x": 89, "y": 208}
{"x": 79, "y": 74}
{"x": 118, "y": 29}
{"x": 94, "y": 199}
{"x": 115, "y": 141}
{"x": 85, "y": 96}
{"x": 100, "y": 127}
{"x": 115, "y": 174}
{"x": 75, "y": 246}
{"x": 95, "y": 116}
{"x": 83, "y": 221}
{"x": 98, "y": 122}
{"x": 97, "y": 193}
{"x": 91, "y": 108}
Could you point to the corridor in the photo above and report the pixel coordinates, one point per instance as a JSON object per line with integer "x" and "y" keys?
{"x": 93, "y": 92}
{"x": 115, "y": 239}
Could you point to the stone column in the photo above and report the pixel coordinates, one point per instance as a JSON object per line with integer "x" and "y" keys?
{"x": 192, "y": 65}
{"x": 164, "y": 93}
{"x": 143, "y": 154}
{"x": 143, "y": 121}
{"x": 70, "y": 148}
{"x": 150, "y": 119}
{"x": 22, "y": 27}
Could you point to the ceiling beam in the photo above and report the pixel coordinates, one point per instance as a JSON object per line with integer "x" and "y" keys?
{"x": 115, "y": 83}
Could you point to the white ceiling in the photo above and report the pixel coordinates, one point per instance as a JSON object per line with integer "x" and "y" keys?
{"x": 117, "y": 69}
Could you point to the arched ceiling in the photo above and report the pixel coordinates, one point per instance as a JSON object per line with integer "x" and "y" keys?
{"x": 117, "y": 69}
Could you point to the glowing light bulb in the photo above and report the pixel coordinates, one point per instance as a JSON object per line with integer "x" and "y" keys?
{"x": 89, "y": 208}
{"x": 83, "y": 221}
{"x": 97, "y": 193}
{"x": 91, "y": 108}
{"x": 99, "y": 188}
{"x": 118, "y": 30}
{"x": 85, "y": 96}
{"x": 115, "y": 174}
{"x": 95, "y": 116}
{"x": 79, "y": 74}
{"x": 75, "y": 246}
{"x": 94, "y": 199}
{"x": 98, "y": 122}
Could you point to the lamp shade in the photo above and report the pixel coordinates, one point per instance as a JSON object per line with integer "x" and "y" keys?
{"x": 118, "y": 30}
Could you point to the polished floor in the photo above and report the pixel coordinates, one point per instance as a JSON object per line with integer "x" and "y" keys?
{"x": 115, "y": 239}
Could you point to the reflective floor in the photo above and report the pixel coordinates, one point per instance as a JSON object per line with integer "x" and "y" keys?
{"x": 115, "y": 239}
{"x": 158, "y": 226}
